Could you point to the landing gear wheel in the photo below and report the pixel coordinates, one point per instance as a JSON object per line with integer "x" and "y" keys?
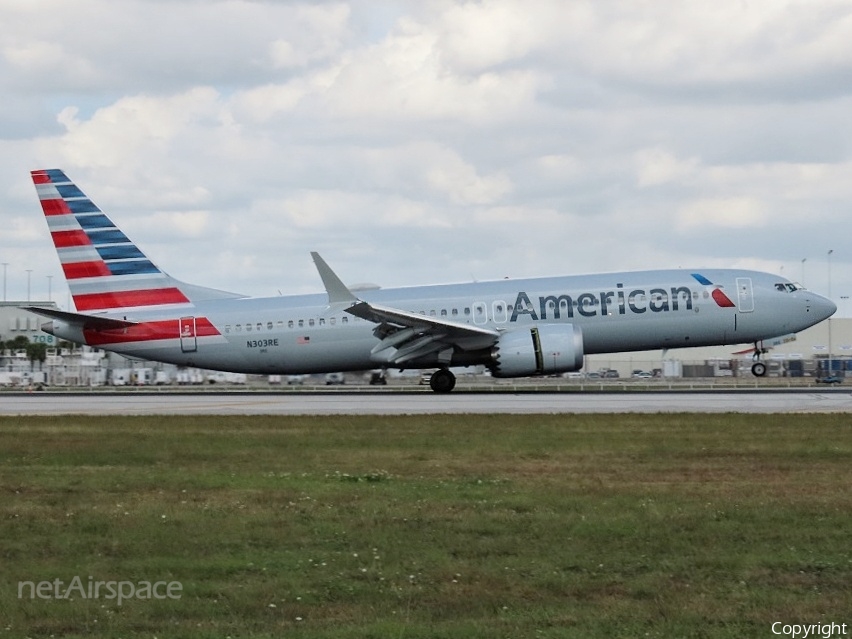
{"x": 758, "y": 369}
{"x": 443, "y": 381}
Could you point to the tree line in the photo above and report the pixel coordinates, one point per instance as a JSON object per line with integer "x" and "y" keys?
{"x": 36, "y": 351}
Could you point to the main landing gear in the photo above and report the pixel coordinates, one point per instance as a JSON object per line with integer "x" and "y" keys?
{"x": 442, "y": 381}
{"x": 758, "y": 369}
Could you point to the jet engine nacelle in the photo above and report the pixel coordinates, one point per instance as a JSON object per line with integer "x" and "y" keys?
{"x": 539, "y": 350}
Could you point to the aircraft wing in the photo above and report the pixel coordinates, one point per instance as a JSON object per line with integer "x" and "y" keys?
{"x": 404, "y": 336}
{"x": 407, "y": 336}
{"x": 85, "y": 322}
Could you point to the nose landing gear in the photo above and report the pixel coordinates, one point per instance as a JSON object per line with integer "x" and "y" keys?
{"x": 758, "y": 369}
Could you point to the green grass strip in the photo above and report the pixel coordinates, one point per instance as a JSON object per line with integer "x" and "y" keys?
{"x": 432, "y": 526}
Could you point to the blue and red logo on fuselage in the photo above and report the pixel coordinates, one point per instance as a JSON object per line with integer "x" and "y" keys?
{"x": 717, "y": 294}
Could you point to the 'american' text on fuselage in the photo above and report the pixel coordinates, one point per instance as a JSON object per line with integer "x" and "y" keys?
{"x": 619, "y": 301}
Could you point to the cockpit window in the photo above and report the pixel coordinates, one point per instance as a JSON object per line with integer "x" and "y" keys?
{"x": 787, "y": 287}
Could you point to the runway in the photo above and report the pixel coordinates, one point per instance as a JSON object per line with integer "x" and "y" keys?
{"x": 212, "y": 403}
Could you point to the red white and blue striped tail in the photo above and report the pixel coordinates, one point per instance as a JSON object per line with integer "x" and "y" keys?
{"x": 104, "y": 269}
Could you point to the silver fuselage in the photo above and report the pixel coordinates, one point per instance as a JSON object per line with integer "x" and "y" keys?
{"x": 616, "y": 312}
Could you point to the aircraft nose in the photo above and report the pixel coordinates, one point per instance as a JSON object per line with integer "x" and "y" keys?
{"x": 823, "y": 307}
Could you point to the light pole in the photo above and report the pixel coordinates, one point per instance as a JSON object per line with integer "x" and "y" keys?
{"x": 830, "y": 251}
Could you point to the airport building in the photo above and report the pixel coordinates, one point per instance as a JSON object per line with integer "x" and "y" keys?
{"x": 16, "y": 322}
{"x": 806, "y": 354}
{"x": 19, "y": 329}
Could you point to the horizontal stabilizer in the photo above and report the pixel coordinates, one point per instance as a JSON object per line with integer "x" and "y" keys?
{"x": 85, "y": 322}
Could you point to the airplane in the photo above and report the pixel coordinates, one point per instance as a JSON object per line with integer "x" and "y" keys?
{"x": 516, "y": 328}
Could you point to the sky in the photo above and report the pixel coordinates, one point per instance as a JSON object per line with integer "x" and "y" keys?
{"x": 419, "y": 142}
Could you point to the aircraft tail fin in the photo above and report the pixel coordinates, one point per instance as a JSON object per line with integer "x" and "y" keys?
{"x": 105, "y": 270}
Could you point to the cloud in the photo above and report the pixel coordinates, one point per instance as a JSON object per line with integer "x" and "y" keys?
{"x": 657, "y": 166}
{"x": 417, "y": 142}
{"x": 727, "y": 213}
{"x": 316, "y": 33}
{"x": 123, "y": 132}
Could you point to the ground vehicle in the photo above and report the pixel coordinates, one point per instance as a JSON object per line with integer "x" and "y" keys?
{"x": 829, "y": 379}
{"x": 334, "y": 379}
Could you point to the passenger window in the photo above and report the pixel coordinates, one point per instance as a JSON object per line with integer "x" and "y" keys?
{"x": 269, "y": 326}
{"x": 311, "y": 322}
{"x": 443, "y": 312}
{"x": 227, "y": 328}
{"x": 239, "y": 328}
{"x": 290, "y": 324}
{"x": 301, "y": 323}
{"x": 344, "y": 320}
{"x": 248, "y": 327}
{"x": 322, "y": 321}
{"x": 332, "y": 321}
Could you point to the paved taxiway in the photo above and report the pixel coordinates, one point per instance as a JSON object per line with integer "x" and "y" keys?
{"x": 422, "y": 403}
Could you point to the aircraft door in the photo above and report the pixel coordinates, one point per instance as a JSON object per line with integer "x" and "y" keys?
{"x": 745, "y": 295}
{"x": 480, "y": 312}
{"x": 498, "y": 312}
{"x": 188, "y": 342}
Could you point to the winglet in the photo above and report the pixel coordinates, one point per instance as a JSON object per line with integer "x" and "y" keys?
{"x": 337, "y": 291}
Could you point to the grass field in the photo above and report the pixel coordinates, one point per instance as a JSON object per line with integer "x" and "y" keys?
{"x": 437, "y": 526}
